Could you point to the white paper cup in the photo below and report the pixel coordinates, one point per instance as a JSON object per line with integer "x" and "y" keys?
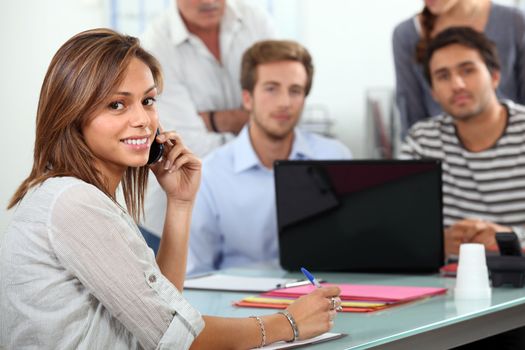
{"x": 468, "y": 306}
{"x": 472, "y": 278}
{"x": 472, "y": 254}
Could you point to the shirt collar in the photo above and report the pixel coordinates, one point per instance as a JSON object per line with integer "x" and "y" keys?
{"x": 301, "y": 148}
{"x": 179, "y": 32}
{"x": 232, "y": 16}
{"x": 509, "y": 105}
{"x": 244, "y": 156}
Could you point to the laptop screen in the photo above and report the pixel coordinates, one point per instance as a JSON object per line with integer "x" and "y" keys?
{"x": 360, "y": 215}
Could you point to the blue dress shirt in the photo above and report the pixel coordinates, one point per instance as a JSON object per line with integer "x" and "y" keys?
{"x": 234, "y": 221}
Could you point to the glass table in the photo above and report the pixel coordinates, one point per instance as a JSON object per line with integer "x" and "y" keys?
{"x": 438, "y": 322}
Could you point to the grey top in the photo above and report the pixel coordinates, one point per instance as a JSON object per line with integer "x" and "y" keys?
{"x": 505, "y": 27}
{"x": 77, "y": 274}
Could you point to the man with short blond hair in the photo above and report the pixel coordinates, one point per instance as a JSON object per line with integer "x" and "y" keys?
{"x": 234, "y": 220}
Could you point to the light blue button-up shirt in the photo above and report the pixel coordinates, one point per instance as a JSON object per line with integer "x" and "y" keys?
{"x": 234, "y": 221}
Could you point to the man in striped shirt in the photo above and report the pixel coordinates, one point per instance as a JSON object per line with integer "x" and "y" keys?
{"x": 480, "y": 140}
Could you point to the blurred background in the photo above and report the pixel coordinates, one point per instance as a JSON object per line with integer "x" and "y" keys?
{"x": 350, "y": 42}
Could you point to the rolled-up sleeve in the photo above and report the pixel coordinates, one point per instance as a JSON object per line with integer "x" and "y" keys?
{"x": 98, "y": 243}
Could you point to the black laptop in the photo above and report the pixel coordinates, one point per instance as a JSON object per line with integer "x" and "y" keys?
{"x": 360, "y": 215}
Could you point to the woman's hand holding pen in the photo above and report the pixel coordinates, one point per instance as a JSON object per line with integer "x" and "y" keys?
{"x": 179, "y": 170}
{"x": 314, "y": 313}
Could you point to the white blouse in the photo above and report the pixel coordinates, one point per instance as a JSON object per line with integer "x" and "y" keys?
{"x": 75, "y": 273}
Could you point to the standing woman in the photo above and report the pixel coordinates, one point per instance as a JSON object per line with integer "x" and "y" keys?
{"x": 504, "y": 25}
{"x": 75, "y": 271}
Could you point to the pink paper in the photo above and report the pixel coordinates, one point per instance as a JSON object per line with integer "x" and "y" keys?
{"x": 366, "y": 292}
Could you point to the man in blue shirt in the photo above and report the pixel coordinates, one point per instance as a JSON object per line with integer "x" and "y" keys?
{"x": 234, "y": 221}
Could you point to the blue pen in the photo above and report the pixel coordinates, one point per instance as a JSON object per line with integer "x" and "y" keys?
{"x": 310, "y": 277}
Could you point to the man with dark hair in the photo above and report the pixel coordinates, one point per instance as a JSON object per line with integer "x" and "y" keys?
{"x": 467, "y": 37}
{"x": 234, "y": 221}
{"x": 478, "y": 139}
{"x": 481, "y": 143}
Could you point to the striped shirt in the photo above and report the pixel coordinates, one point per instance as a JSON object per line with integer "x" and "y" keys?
{"x": 487, "y": 185}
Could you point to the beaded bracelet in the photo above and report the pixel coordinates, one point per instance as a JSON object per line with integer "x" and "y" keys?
{"x": 263, "y": 330}
{"x": 290, "y": 319}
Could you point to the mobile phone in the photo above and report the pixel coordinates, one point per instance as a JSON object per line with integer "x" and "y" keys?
{"x": 156, "y": 150}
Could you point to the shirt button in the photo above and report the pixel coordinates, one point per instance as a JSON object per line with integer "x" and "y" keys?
{"x": 152, "y": 278}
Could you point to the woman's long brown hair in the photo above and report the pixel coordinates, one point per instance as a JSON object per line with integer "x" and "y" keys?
{"x": 84, "y": 72}
{"x": 428, "y": 20}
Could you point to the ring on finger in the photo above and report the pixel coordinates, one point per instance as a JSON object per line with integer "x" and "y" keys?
{"x": 332, "y": 303}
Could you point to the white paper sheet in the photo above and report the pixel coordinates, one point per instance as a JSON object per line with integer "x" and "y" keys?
{"x": 319, "y": 339}
{"x": 236, "y": 283}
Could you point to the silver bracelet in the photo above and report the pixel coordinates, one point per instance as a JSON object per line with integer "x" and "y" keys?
{"x": 263, "y": 330}
{"x": 290, "y": 319}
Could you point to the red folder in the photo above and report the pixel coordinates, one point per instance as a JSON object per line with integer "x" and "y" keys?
{"x": 393, "y": 294}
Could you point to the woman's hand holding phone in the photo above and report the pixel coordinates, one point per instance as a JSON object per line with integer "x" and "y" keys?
{"x": 178, "y": 171}
{"x": 156, "y": 150}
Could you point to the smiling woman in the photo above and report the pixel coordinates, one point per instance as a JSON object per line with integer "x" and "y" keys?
{"x": 76, "y": 272}
{"x": 76, "y": 88}
{"x": 120, "y": 133}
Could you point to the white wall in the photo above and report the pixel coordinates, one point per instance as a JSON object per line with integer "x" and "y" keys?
{"x": 26, "y": 53}
{"x": 351, "y": 45}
